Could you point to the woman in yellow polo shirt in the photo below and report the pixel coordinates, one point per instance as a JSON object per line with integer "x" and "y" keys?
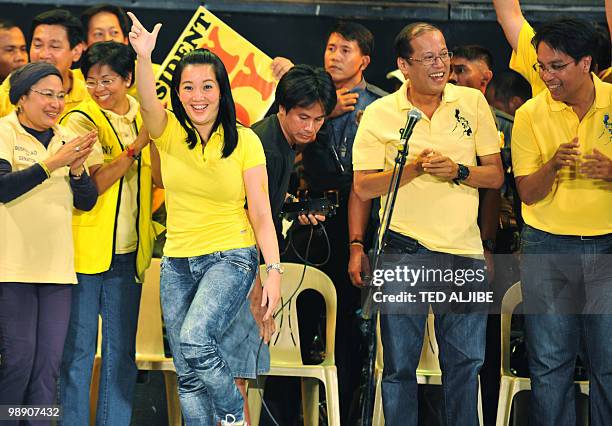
{"x": 113, "y": 242}
{"x": 210, "y": 166}
{"x": 41, "y": 179}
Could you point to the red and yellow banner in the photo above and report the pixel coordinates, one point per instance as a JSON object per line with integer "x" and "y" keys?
{"x": 249, "y": 69}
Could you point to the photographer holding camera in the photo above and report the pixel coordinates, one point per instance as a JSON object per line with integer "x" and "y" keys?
{"x": 305, "y": 96}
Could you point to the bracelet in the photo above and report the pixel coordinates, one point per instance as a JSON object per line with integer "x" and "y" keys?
{"x": 75, "y": 176}
{"x": 356, "y": 242}
{"x": 131, "y": 152}
{"x": 45, "y": 168}
{"x": 275, "y": 266}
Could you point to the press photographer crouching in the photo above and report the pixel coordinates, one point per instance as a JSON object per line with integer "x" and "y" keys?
{"x": 305, "y": 96}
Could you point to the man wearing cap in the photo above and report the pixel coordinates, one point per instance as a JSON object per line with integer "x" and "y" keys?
{"x": 56, "y": 39}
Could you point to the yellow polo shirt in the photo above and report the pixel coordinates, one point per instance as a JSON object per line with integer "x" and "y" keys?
{"x": 576, "y": 205}
{"x": 205, "y": 194}
{"x": 36, "y": 228}
{"x": 77, "y": 94}
{"x": 437, "y": 213}
{"x": 524, "y": 57}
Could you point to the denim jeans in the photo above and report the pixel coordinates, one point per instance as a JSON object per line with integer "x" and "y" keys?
{"x": 460, "y": 337}
{"x": 115, "y": 295}
{"x": 566, "y": 283}
{"x": 204, "y": 300}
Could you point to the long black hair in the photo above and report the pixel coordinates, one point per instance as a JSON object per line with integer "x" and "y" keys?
{"x": 227, "y": 110}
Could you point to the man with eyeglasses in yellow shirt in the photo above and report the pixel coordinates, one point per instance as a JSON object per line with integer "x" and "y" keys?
{"x": 519, "y": 34}
{"x": 56, "y": 39}
{"x": 561, "y": 150}
{"x": 434, "y": 222}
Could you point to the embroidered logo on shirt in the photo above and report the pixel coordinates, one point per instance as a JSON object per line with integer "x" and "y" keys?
{"x": 607, "y": 128}
{"x": 467, "y": 130}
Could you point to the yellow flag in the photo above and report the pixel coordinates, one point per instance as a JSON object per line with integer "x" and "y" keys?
{"x": 249, "y": 69}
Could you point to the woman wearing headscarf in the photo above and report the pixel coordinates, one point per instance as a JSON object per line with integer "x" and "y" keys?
{"x": 42, "y": 177}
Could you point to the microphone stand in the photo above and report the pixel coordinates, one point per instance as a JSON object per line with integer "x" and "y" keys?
{"x": 370, "y": 309}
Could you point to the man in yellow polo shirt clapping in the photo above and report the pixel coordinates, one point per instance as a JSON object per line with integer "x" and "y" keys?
{"x": 561, "y": 150}
{"x": 434, "y": 224}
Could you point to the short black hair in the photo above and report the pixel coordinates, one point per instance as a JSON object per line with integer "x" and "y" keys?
{"x": 6, "y": 24}
{"x": 303, "y": 86}
{"x": 353, "y": 31}
{"x": 124, "y": 20}
{"x": 509, "y": 83}
{"x": 403, "y": 46}
{"x": 574, "y": 37}
{"x": 118, "y": 56}
{"x": 474, "y": 52}
{"x": 63, "y": 18}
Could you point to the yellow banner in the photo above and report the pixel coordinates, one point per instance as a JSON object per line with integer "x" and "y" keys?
{"x": 248, "y": 67}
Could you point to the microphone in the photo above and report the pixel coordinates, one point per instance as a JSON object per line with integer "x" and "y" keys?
{"x": 413, "y": 118}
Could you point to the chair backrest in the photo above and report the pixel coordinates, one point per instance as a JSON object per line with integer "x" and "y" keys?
{"x": 429, "y": 364}
{"x": 285, "y": 343}
{"x": 511, "y": 300}
{"x": 149, "y": 337}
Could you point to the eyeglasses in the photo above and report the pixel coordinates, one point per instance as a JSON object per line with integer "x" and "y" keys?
{"x": 50, "y": 95}
{"x": 551, "y": 69}
{"x": 431, "y": 59}
{"x": 92, "y": 84}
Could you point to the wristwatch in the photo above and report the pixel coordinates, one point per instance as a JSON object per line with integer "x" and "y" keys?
{"x": 275, "y": 266}
{"x": 462, "y": 174}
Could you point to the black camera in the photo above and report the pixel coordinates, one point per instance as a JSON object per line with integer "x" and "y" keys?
{"x": 319, "y": 206}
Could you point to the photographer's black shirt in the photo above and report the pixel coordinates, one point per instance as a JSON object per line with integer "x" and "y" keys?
{"x": 280, "y": 157}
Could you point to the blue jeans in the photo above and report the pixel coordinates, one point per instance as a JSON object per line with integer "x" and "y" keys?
{"x": 566, "y": 283}
{"x": 115, "y": 295}
{"x": 203, "y": 299}
{"x": 461, "y": 339}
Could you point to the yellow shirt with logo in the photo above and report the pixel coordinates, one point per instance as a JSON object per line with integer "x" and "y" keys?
{"x": 440, "y": 215}
{"x": 77, "y": 94}
{"x": 36, "y": 227}
{"x": 205, "y": 194}
{"x": 576, "y": 205}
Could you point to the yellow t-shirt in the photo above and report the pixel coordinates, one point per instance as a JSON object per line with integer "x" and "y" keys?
{"x": 525, "y": 56}
{"x": 437, "y": 213}
{"x": 36, "y": 228}
{"x": 205, "y": 194}
{"x": 78, "y": 93}
{"x": 576, "y": 205}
